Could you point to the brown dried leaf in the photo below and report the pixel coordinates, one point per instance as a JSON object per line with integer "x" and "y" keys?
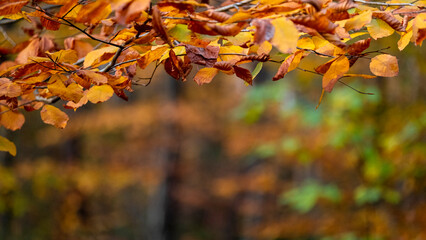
{"x": 264, "y": 30}
{"x": 244, "y": 74}
{"x": 159, "y": 26}
{"x": 390, "y": 20}
{"x": 204, "y": 56}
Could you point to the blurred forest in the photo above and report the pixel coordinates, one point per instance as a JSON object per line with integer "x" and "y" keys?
{"x": 228, "y": 161}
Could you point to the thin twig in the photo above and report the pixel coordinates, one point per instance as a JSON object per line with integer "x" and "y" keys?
{"x": 149, "y": 78}
{"x": 356, "y": 90}
{"x": 317, "y": 53}
{"x": 235, "y": 5}
{"x": 383, "y": 4}
{"x": 6, "y": 36}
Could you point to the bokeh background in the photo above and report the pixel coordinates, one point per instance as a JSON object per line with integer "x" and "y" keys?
{"x": 229, "y": 161}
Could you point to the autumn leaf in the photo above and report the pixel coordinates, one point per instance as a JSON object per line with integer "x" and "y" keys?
{"x": 12, "y": 120}
{"x": 289, "y": 64}
{"x": 53, "y": 116}
{"x": 72, "y": 92}
{"x": 94, "y": 12}
{"x": 9, "y": 88}
{"x": 97, "y": 94}
{"x": 244, "y": 74}
{"x": 7, "y": 146}
{"x": 10, "y": 7}
{"x": 359, "y": 21}
{"x": 384, "y": 65}
{"x": 205, "y": 75}
{"x": 337, "y": 69}
{"x": 93, "y": 77}
{"x": 286, "y": 35}
{"x": 379, "y": 29}
{"x": 66, "y": 56}
{"x": 99, "y": 55}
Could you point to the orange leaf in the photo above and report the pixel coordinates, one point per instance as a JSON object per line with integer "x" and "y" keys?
{"x": 205, "y": 75}
{"x": 9, "y": 88}
{"x": 98, "y": 94}
{"x": 7, "y": 146}
{"x": 99, "y": 55}
{"x": 93, "y": 77}
{"x": 289, "y": 64}
{"x": 11, "y": 7}
{"x": 384, "y": 65}
{"x": 337, "y": 69}
{"x": 94, "y": 12}
{"x": 53, "y": 116}
{"x": 12, "y": 120}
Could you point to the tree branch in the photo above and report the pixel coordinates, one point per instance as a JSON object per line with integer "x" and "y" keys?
{"x": 383, "y": 4}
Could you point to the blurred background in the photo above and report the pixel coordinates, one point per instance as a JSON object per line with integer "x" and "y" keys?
{"x": 229, "y": 161}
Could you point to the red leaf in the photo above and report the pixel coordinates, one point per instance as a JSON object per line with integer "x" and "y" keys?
{"x": 243, "y": 74}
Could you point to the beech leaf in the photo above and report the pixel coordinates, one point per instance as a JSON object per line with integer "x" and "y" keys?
{"x": 337, "y": 69}
{"x": 205, "y": 75}
{"x": 54, "y": 116}
{"x": 12, "y": 120}
{"x": 7, "y": 146}
{"x": 97, "y": 94}
{"x": 384, "y": 65}
{"x": 286, "y": 35}
{"x": 95, "y": 56}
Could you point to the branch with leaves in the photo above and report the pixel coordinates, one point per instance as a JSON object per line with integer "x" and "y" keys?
{"x": 130, "y": 35}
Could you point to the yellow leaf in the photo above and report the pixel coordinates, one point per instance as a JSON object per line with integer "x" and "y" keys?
{"x": 240, "y": 38}
{"x": 359, "y": 21}
{"x": 205, "y": 75}
{"x": 323, "y": 46}
{"x": 97, "y": 94}
{"x": 378, "y": 28}
{"x": 239, "y": 16}
{"x": 306, "y": 43}
{"x": 384, "y": 65}
{"x": 53, "y": 116}
{"x": 7, "y": 146}
{"x": 232, "y": 50}
{"x": 420, "y": 21}
{"x": 12, "y": 120}
{"x": 286, "y": 35}
{"x": 66, "y": 56}
{"x": 337, "y": 69}
{"x": 95, "y": 56}
{"x": 405, "y": 39}
{"x": 72, "y": 92}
